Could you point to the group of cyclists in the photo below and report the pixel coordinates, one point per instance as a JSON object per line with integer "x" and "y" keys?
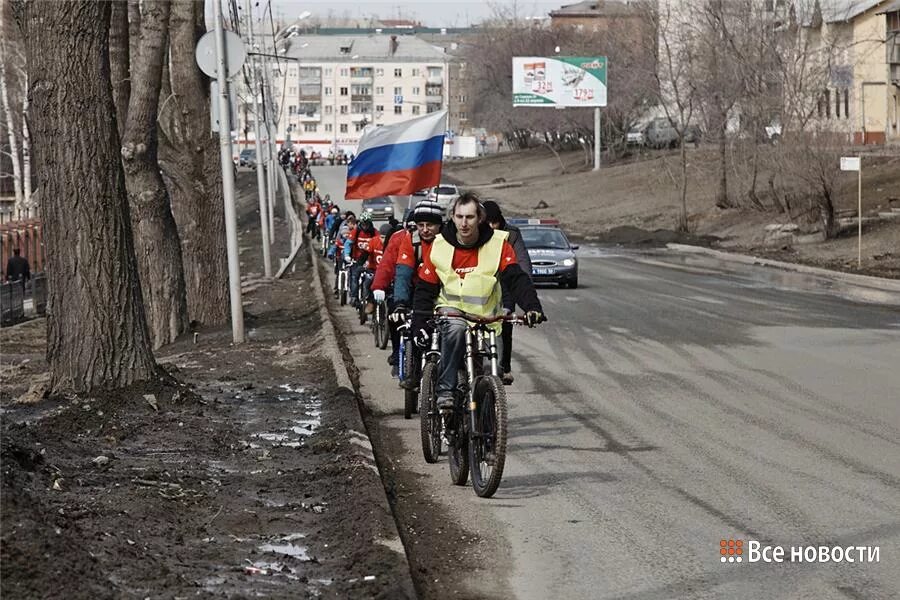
{"x": 430, "y": 279}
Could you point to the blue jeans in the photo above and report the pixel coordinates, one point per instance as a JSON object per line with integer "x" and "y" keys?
{"x": 453, "y": 350}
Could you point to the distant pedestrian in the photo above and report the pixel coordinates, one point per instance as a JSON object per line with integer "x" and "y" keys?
{"x": 17, "y": 268}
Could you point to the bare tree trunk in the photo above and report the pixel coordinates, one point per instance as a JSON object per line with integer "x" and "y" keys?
{"x": 683, "y": 218}
{"x": 120, "y": 61}
{"x": 96, "y": 330}
{"x": 13, "y": 142}
{"x": 156, "y": 239}
{"x": 30, "y": 209}
{"x": 722, "y": 199}
{"x": 189, "y": 157}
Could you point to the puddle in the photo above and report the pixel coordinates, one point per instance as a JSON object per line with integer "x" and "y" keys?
{"x": 287, "y": 549}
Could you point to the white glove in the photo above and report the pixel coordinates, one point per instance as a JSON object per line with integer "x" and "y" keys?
{"x": 378, "y": 295}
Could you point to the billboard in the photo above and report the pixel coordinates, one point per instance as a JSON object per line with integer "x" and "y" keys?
{"x": 561, "y": 81}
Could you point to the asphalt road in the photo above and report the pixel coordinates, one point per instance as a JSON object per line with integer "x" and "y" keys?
{"x": 671, "y": 403}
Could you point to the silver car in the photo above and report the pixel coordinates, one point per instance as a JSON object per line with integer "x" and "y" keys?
{"x": 444, "y": 194}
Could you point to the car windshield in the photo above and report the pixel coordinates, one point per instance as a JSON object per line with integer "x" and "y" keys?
{"x": 377, "y": 201}
{"x": 544, "y": 237}
{"x": 248, "y": 152}
{"x": 443, "y": 189}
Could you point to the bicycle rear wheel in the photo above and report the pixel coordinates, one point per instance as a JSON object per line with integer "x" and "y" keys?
{"x": 429, "y": 415}
{"x": 487, "y": 446}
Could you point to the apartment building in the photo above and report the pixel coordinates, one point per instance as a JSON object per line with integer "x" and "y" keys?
{"x": 328, "y": 88}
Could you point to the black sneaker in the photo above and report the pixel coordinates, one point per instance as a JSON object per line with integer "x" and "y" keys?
{"x": 391, "y": 359}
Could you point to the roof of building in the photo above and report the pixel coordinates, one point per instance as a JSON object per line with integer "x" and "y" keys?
{"x": 833, "y": 11}
{"x": 371, "y": 47}
{"x": 890, "y": 7}
{"x": 597, "y": 8}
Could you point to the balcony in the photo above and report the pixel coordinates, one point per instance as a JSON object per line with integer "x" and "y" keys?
{"x": 362, "y": 74}
{"x": 434, "y": 93}
{"x": 434, "y": 79}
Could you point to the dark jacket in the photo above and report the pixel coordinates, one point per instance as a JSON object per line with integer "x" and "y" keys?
{"x": 17, "y": 268}
{"x": 518, "y": 244}
{"x": 514, "y": 282}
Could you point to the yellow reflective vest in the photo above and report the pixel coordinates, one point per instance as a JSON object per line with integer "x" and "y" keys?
{"x": 479, "y": 291}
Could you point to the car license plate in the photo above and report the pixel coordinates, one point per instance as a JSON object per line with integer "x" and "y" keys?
{"x": 542, "y": 271}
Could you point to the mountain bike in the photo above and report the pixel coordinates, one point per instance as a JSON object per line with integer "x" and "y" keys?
{"x": 342, "y": 280}
{"x": 430, "y": 423}
{"x": 380, "y": 325}
{"x": 475, "y": 429}
{"x": 362, "y": 293}
{"x": 406, "y": 371}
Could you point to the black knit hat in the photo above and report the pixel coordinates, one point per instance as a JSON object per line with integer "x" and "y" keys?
{"x": 492, "y": 213}
{"x": 429, "y": 212}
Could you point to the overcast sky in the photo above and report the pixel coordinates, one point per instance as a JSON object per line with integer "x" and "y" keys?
{"x": 433, "y": 13}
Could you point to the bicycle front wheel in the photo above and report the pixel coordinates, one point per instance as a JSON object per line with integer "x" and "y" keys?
{"x": 429, "y": 415}
{"x": 487, "y": 446}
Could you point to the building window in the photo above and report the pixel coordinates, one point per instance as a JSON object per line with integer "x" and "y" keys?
{"x": 828, "y": 104}
{"x": 837, "y": 104}
{"x": 344, "y": 109}
{"x": 343, "y": 91}
{"x": 329, "y": 71}
{"x": 847, "y": 104}
{"x": 345, "y": 72}
{"x": 379, "y": 72}
{"x": 462, "y": 98}
{"x": 462, "y": 115}
{"x": 292, "y": 110}
{"x": 328, "y": 127}
{"x": 379, "y": 108}
{"x": 398, "y": 91}
{"x": 292, "y": 90}
{"x": 415, "y": 72}
{"x": 398, "y": 72}
{"x": 398, "y": 109}
{"x": 379, "y": 91}
{"x": 328, "y": 91}
{"x": 343, "y": 128}
{"x": 359, "y": 126}
{"x": 416, "y": 91}
{"x": 415, "y": 109}
{"x": 435, "y": 72}
{"x": 310, "y": 127}
{"x": 329, "y": 109}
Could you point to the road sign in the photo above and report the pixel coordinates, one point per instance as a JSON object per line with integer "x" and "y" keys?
{"x": 561, "y": 81}
{"x": 849, "y": 163}
{"x": 235, "y": 54}
{"x": 398, "y": 99}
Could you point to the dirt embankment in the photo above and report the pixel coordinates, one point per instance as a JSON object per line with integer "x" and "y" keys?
{"x": 243, "y": 478}
{"x": 637, "y": 201}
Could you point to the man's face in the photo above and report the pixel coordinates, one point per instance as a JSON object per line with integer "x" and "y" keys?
{"x": 465, "y": 217}
{"x": 428, "y": 231}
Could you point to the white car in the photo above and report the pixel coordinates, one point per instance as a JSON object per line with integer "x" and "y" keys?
{"x": 444, "y": 194}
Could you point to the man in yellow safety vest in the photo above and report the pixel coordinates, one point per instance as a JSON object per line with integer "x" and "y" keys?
{"x": 467, "y": 268}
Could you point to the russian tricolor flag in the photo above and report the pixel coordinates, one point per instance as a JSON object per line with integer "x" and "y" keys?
{"x": 398, "y": 159}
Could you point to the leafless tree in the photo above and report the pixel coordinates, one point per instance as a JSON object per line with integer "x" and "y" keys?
{"x": 97, "y": 334}
{"x": 190, "y": 163}
{"x": 157, "y": 240}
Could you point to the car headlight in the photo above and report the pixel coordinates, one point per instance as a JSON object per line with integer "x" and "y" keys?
{"x": 388, "y": 209}
{"x": 569, "y": 262}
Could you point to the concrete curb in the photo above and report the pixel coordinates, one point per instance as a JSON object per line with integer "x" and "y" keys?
{"x": 878, "y": 283}
{"x": 331, "y": 348}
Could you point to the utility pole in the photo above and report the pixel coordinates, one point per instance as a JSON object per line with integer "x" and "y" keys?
{"x": 260, "y": 177}
{"x": 269, "y": 110}
{"x": 234, "y": 268}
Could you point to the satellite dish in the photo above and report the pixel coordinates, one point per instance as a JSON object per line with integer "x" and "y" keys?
{"x": 235, "y": 54}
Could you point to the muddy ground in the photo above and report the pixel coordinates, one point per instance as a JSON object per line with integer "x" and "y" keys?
{"x": 248, "y": 476}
